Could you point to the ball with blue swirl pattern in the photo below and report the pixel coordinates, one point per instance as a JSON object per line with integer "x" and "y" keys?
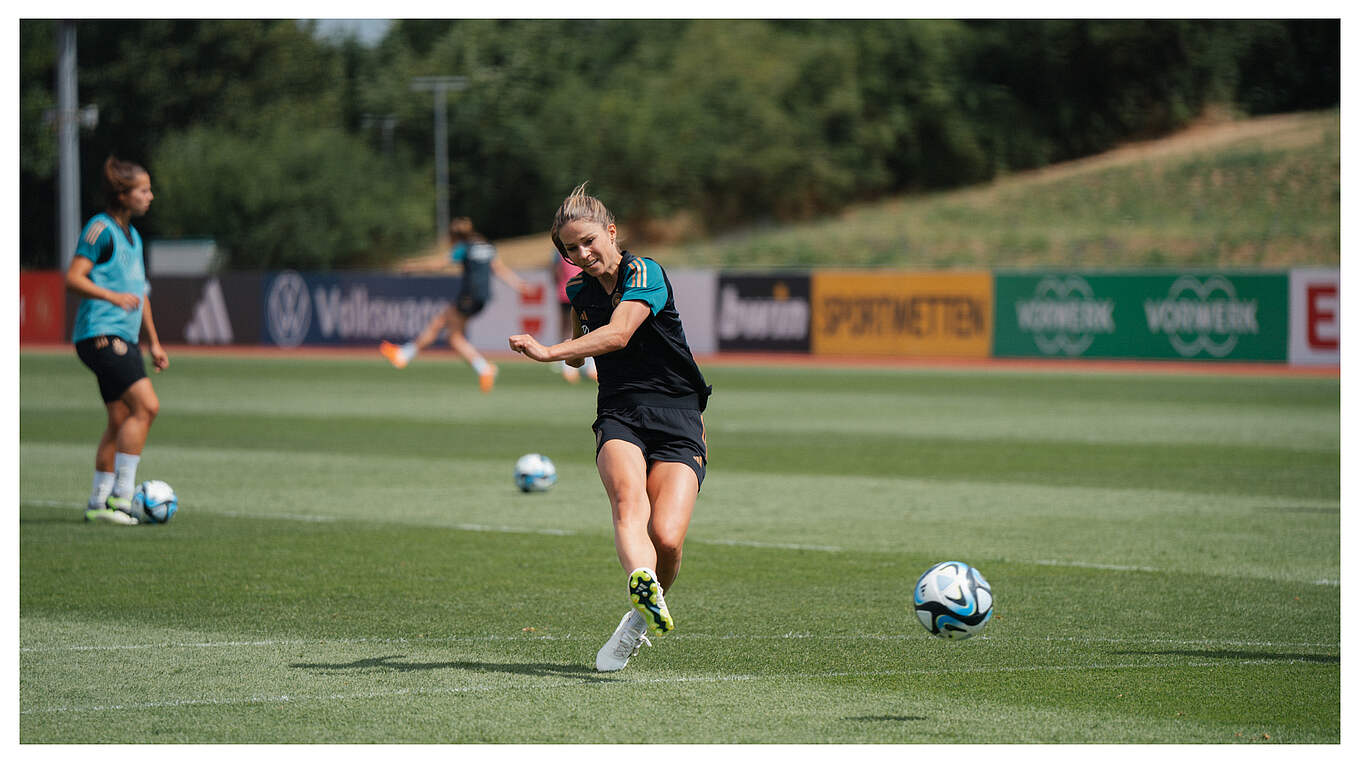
{"x": 154, "y": 502}
{"x": 953, "y": 600}
{"x": 534, "y": 472}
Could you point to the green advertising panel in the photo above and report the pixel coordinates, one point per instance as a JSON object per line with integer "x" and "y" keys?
{"x": 1210, "y": 316}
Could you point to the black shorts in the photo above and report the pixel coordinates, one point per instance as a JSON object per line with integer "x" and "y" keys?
{"x": 664, "y": 434}
{"x": 468, "y": 305}
{"x": 116, "y": 364}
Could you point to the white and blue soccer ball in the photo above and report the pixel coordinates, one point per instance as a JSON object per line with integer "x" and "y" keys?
{"x": 154, "y": 501}
{"x": 535, "y": 472}
{"x": 953, "y": 600}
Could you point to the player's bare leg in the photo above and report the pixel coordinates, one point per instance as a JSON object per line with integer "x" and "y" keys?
{"x": 672, "y": 488}
{"x": 133, "y": 414}
{"x": 402, "y": 355}
{"x": 624, "y": 473}
{"x": 486, "y": 371}
{"x": 143, "y": 405}
{"x": 117, "y": 413}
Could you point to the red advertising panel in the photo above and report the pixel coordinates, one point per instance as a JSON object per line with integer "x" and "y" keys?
{"x": 42, "y": 307}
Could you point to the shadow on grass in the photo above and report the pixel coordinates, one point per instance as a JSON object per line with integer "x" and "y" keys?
{"x": 883, "y": 718}
{"x": 1228, "y": 654}
{"x": 388, "y": 662}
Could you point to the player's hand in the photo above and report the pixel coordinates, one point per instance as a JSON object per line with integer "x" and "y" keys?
{"x": 529, "y": 346}
{"x": 159, "y": 359}
{"x": 125, "y": 301}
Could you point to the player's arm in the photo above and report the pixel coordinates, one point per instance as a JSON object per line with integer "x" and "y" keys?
{"x": 508, "y": 276}
{"x": 159, "y": 359}
{"x": 627, "y": 317}
{"x": 78, "y": 281}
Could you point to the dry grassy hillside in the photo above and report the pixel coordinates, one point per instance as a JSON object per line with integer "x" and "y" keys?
{"x": 1259, "y": 208}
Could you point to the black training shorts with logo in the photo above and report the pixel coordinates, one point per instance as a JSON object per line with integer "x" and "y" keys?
{"x": 664, "y": 434}
{"x": 116, "y": 364}
{"x": 469, "y": 305}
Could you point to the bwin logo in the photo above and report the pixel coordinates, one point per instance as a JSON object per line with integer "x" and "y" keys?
{"x": 210, "y": 322}
{"x": 289, "y": 308}
{"x": 1202, "y": 316}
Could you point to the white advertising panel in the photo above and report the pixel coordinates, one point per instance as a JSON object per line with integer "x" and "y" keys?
{"x": 1315, "y": 316}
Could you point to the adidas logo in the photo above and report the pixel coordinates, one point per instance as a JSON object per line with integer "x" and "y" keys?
{"x": 210, "y": 322}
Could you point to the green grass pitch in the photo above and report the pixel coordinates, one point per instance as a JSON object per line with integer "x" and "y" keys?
{"x": 352, "y": 564}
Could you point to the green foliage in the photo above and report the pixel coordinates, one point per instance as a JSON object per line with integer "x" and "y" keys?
{"x": 287, "y": 197}
{"x": 716, "y": 123}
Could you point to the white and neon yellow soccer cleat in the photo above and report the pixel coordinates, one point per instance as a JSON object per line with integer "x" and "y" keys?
{"x": 645, "y": 592}
{"x": 628, "y": 638}
{"x": 115, "y": 511}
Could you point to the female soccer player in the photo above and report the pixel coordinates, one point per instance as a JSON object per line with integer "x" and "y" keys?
{"x": 650, "y": 447}
{"x": 479, "y": 262}
{"x": 109, "y": 274}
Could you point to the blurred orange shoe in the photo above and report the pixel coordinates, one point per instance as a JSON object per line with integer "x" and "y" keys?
{"x": 393, "y": 353}
{"x": 487, "y": 379}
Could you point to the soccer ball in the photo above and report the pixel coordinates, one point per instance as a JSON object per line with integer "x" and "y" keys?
{"x": 535, "y": 472}
{"x": 953, "y": 600}
{"x": 154, "y": 502}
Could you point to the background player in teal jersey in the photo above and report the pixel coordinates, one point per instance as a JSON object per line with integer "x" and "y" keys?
{"x": 650, "y": 446}
{"x": 478, "y": 260}
{"x": 108, "y": 271}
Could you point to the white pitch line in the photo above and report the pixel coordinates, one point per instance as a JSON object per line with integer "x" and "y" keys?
{"x": 605, "y": 681}
{"x": 1095, "y": 566}
{"x": 280, "y": 516}
{"x": 763, "y": 545}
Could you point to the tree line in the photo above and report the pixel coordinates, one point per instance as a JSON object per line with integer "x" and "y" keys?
{"x": 295, "y": 151}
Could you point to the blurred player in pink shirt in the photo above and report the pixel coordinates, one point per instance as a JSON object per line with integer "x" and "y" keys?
{"x": 564, "y": 270}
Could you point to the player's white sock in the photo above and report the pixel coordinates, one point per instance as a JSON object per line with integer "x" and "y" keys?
{"x": 125, "y": 474}
{"x": 480, "y": 365}
{"x": 100, "y": 489}
{"x": 409, "y": 351}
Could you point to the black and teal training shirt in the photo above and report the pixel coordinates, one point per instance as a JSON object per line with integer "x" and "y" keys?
{"x": 656, "y": 368}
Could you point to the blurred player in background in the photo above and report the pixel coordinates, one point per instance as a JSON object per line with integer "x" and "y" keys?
{"x": 650, "y": 447}
{"x": 478, "y": 260}
{"x": 108, "y": 272}
{"x": 563, "y": 271}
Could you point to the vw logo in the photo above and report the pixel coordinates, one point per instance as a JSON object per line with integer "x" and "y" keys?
{"x": 289, "y": 309}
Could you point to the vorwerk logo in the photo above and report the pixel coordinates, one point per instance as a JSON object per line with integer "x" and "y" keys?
{"x": 289, "y": 309}
{"x": 1202, "y": 316}
{"x": 1065, "y": 316}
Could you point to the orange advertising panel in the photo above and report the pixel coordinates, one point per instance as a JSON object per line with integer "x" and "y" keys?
{"x": 902, "y": 313}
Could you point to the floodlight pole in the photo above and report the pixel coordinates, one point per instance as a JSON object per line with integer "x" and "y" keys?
{"x": 68, "y": 145}
{"x": 441, "y": 85}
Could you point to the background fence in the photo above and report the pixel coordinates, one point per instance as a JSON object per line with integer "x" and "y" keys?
{"x": 1286, "y": 316}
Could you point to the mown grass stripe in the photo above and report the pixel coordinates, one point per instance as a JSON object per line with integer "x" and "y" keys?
{"x": 265, "y": 643}
{"x": 603, "y": 681}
